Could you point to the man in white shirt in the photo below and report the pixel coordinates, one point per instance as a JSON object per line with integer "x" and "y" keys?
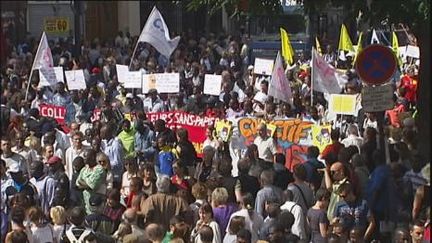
{"x": 77, "y": 149}
{"x": 153, "y": 103}
{"x": 11, "y": 157}
{"x": 30, "y": 155}
{"x": 298, "y": 228}
{"x": 266, "y": 145}
{"x": 353, "y": 137}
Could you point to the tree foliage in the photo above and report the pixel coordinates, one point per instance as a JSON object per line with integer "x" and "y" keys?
{"x": 238, "y": 7}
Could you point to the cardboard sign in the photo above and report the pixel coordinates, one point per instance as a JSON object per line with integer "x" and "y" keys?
{"x": 342, "y": 104}
{"x": 412, "y": 51}
{"x": 75, "y": 79}
{"x": 129, "y": 79}
{"x": 263, "y": 66}
{"x": 53, "y": 111}
{"x": 196, "y": 125}
{"x": 162, "y": 82}
{"x": 223, "y": 130}
{"x": 321, "y": 136}
{"x": 50, "y": 76}
{"x": 378, "y": 98}
{"x": 212, "y": 84}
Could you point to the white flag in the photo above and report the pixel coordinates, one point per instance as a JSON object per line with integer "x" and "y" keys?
{"x": 279, "y": 86}
{"x": 374, "y": 39}
{"x": 325, "y": 77}
{"x": 156, "y": 33}
{"x": 43, "y": 57}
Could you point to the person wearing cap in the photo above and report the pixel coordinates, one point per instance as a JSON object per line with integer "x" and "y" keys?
{"x": 44, "y": 184}
{"x": 11, "y": 157}
{"x": 96, "y": 219}
{"x": 57, "y": 172}
{"x": 20, "y": 184}
{"x": 153, "y": 103}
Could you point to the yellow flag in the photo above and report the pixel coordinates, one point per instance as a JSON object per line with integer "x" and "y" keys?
{"x": 318, "y": 46}
{"x": 287, "y": 50}
{"x": 344, "y": 40}
{"x": 359, "y": 46}
{"x": 395, "y": 47}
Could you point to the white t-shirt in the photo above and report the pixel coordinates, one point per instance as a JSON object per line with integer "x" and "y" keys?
{"x": 266, "y": 148}
{"x": 42, "y": 234}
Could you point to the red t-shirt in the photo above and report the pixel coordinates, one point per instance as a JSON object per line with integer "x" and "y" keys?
{"x": 332, "y": 148}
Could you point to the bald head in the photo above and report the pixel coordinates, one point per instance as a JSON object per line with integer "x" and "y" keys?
{"x": 337, "y": 171}
{"x": 130, "y": 216}
{"x": 155, "y": 232}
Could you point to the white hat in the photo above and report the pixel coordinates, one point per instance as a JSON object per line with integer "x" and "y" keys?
{"x": 250, "y": 67}
{"x": 129, "y": 95}
{"x": 14, "y": 168}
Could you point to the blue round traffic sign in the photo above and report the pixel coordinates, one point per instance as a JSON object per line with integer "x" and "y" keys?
{"x": 376, "y": 64}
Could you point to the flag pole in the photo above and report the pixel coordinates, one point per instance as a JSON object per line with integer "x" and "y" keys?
{"x": 133, "y": 54}
{"x": 312, "y": 76}
{"x": 31, "y": 71}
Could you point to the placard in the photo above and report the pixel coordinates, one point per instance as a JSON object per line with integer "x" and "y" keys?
{"x": 412, "y": 51}
{"x": 263, "y": 66}
{"x": 53, "y": 111}
{"x": 378, "y": 98}
{"x": 162, "y": 82}
{"x": 75, "y": 79}
{"x": 50, "y": 76}
{"x": 321, "y": 136}
{"x": 342, "y": 104}
{"x": 212, "y": 84}
{"x": 129, "y": 79}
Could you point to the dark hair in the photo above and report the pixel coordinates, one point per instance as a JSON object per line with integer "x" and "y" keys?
{"x": 207, "y": 208}
{"x": 114, "y": 194}
{"x": 78, "y": 162}
{"x": 245, "y": 234}
{"x": 138, "y": 181}
{"x": 322, "y": 194}
{"x": 77, "y": 215}
{"x": 249, "y": 202}
{"x": 206, "y": 234}
{"x": 344, "y": 155}
{"x": 182, "y": 133}
{"x": 335, "y": 134}
{"x": 225, "y": 168}
{"x": 300, "y": 172}
{"x": 18, "y": 215}
{"x": 2, "y": 162}
{"x": 313, "y": 152}
{"x": 18, "y": 236}
{"x": 243, "y": 165}
{"x": 418, "y": 223}
{"x": 378, "y": 157}
{"x": 286, "y": 219}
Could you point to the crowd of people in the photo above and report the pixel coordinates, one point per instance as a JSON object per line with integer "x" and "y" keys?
{"x": 118, "y": 179}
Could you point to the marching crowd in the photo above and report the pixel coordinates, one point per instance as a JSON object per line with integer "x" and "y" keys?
{"x": 118, "y": 179}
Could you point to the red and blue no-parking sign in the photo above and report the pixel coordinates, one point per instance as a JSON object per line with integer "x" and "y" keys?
{"x": 376, "y": 64}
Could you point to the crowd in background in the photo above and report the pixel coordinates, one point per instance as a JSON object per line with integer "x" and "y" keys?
{"x": 121, "y": 180}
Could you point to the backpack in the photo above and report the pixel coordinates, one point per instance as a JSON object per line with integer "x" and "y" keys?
{"x": 82, "y": 238}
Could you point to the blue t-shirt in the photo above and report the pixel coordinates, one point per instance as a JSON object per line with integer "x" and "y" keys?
{"x": 352, "y": 214}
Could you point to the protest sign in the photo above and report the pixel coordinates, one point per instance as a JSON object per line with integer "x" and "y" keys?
{"x": 263, "y": 66}
{"x": 129, "y": 79}
{"x": 342, "y": 104}
{"x": 196, "y": 125}
{"x": 321, "y": 136}
{"x": 223, "y": 130}
{"x": 293, "y": 137}
{"x": 50, "y": 76}
{"x": 212, "y": 84}
{"x": 75, "y": 79}
{"x": 378, "y": 98}
{"x": 53, "y": 111}
{"x": 162, "y": 82}
{"x": 412, "y": 51}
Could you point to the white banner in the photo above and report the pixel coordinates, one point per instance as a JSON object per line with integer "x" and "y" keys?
{"x": 263, "y": 66}
{"x": 43, "y": 57}
{"x": 129, "y": 79}
{"x": 412, "y": 51}
{"x": 212, "y": 84}
{"x": 378, "y": 98}
{"x": 162, "y": 82}
{"x": 156, "y": 33}
{"x": 279, "y": 86}
{"x": 75, "y": 79}
{"x": 50, "y": 76}
{"x": 325, "y": 77}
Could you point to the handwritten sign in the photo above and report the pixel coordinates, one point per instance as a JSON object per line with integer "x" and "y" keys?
{"x": 75, "y": 79}
{"x": 129, "y": 79}
{"x": 212, "y": 84}
{"x": 342, "y": 104}
{"x": 53, "y": 111}
{"x": 162, "y": 82}
{"x": 50, "y": 76}
{"x": 412, "y": 51}
{"x": 263, "y": 66}
{"x": 293, "y": 137}
{"x": 378, "y": 98}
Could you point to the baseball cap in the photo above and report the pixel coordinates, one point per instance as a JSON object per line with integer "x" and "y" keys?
{"x": 129, "y": 95}
{"x": 14, "y": 168}
{"x": 152, "y": 91}
{"x": 53, "y": 160}
{"x": 250, "y": 67}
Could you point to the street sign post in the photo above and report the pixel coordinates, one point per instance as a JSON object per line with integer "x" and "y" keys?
{"x": 376, "y": 64}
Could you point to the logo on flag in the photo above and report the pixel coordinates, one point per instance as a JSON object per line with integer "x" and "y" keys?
{"x": 325, "y": 77}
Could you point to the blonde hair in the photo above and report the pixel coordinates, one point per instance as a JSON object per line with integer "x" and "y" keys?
{"x": 219, "y": 196}
{"x": 35, "y": 144}
{"x": 103, "y": 156}
{"x": 58, "y": 215}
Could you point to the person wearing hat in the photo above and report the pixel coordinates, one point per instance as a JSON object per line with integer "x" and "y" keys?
{"x": 96, "y": 219}
{"x": 44, "y": 184}
{"x": 57, "y": 172}
{"x": 19, "y": 184}
{"x": 153, "y": 103}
